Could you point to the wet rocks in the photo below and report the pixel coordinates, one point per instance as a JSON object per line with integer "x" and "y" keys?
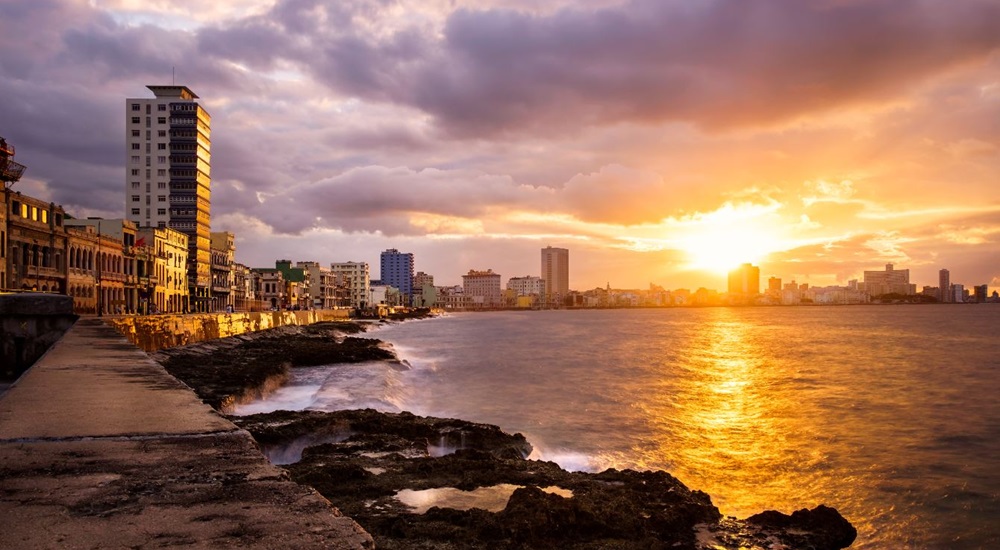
{"x": 233, "y": 370}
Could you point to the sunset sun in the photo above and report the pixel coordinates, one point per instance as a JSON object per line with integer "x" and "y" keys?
{"x": 728, "y": 237}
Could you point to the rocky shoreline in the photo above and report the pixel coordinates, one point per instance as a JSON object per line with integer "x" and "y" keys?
{"x": 420, "y": 482}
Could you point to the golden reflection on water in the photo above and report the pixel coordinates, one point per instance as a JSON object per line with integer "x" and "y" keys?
{"x": 719, "y": 429}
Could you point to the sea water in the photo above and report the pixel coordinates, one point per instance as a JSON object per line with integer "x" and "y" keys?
{"x": 888, "y": 413}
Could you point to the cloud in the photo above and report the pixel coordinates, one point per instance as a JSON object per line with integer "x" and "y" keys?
{"x": 617, "y": 194}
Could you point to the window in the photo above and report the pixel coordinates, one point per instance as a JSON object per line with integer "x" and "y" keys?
{"x": 161, "y": 133}
{"x": 161, "y": 172}
{"x": 161, "y": 211}
{"x": 135, "y": 133}
{"x": 161, "y": 160}
{"x": 135, "y": 146}
{"x": 135, "y": 211}
{"x": 162, "y": 185}
{"x": 135, "y": 198}
{"x": 161, "y": 224}
{"x": 161, "y": 198}
{"x": 161, "y": 120}
{"x": 135, "y": 107}
{"x": 161, "y": 107}
{"x": 136, "y": 120}
{"x": 148, "y": 108}
{"x": 135, "y": 185}
{"x": 161, "y": 146}
{"x": 135, "y": 159}
{"x": 135, "y": 172}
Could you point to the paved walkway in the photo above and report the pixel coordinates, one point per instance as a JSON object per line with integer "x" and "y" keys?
{"x": 101, "y": 448}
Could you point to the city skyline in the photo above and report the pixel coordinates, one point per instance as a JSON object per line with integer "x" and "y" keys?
{"x": 811, "y": 159}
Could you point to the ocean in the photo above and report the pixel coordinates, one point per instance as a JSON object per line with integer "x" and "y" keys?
{"x": 888, "y": 413}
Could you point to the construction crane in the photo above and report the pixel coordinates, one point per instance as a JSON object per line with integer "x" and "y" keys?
{"x": 10, "y": 171}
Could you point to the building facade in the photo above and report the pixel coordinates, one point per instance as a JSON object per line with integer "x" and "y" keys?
{"x": 396, "y": 270}
{"x": 357, "y": 278}
{"x": 482, "y": 289}
{"x": 269, "y": 286}
{"x": 244, "y": 298}
{"x": 168, "y": 176}
{"x": 120, "y": 282}
{"x": 555, "y": 271}
{"x": 163, "y": 282}
{"x": 322, "y": 285}
{"x": 223, "y": 246}
{"x": 36, "y": 244}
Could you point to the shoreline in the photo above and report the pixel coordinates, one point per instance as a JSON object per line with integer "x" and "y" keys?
{"x": 363, "y": 461}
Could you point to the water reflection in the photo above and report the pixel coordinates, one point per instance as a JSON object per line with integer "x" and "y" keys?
{"x": 717, "y": 425}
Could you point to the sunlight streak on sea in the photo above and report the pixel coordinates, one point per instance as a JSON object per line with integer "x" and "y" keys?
{"x": 887, "y": 413}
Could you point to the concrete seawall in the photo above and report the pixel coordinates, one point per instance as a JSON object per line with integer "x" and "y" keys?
{"x": 102, "y": 448}
{"x": 156, "y": 332}
{"x": 29, "y": 324}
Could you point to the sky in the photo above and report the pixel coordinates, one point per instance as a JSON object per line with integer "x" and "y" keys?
{"x": 661, "y": 141}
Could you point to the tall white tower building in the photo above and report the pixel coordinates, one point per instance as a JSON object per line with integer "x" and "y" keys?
{"x": 168, "y": 175}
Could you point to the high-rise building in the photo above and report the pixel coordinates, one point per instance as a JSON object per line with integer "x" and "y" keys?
{"x": 555, "y": 271}
{"x": 745, "y": 280}
{"x": 944, "y": 286}
{"x": 396, "y": 269}
{"x": 168, "y": 175}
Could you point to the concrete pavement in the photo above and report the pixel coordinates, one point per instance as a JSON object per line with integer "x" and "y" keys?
{"x": 101, "y": 448}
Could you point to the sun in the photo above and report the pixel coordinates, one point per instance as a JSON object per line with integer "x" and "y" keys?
{"x": 722, "y": 252}
{"x": 720, "y": 245}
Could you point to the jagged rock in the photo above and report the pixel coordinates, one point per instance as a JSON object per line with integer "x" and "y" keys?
{"x": 228, "y": 371}
{"x": 825, "y": 527}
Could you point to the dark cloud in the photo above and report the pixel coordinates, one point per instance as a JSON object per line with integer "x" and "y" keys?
{"x": 719, "y": 64}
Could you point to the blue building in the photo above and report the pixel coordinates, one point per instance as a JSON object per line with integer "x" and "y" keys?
{"x": 397, "y": 270}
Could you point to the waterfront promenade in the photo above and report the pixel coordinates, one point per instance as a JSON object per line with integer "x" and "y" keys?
{"x": 101, "y": 448}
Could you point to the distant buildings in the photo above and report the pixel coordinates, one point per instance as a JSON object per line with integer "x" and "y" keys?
{"x": 424, "y": 293}
{"x": 890, "y": 281}
{"x": 555, "y": 272}
{"x": 396, "y": 270}
{"x": 168, "y": 175}
{"x": 527, "y": 291}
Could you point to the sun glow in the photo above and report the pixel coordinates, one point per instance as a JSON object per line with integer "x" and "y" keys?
{"x": 724, "y": 239}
